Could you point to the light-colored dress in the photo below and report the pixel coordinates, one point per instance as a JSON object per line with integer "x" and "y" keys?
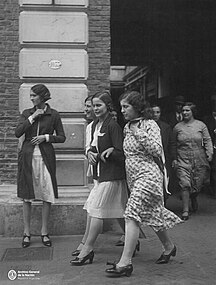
{"x": 41, "y": 179}
{"x": 145, "y": 179}
{"x": 42, "y": 183}
{"x": 193, "y": 150}
{"x": 107, "y": 199}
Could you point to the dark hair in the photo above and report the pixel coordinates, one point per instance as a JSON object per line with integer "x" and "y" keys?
{"x": 89, "y": 98}
{"x": 156, "y": 105}
{"x": 138, "y": 102}
{"x": 105, "y": 97}
{"x": 192, "y": 107}
{"x": 42, "y": 91}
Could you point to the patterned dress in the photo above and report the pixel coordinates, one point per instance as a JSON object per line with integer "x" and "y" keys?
{"x": 145, "y": 179}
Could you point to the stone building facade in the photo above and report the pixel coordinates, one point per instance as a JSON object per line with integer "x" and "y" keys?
{"x": 64, "y": 44}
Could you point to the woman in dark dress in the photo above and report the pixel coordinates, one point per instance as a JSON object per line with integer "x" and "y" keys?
{"x": 40, "y": 126}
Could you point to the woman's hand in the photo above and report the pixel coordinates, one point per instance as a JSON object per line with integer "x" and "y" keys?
{"x": 106, "y": 153}
{"x": 37, "y": 113}
{"x": 92, "y": 157}
{"x": 174, "y": 163}
{"x": 38, "y": 139}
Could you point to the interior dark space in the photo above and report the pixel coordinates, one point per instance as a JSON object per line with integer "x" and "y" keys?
{"x": 180, "y": 33}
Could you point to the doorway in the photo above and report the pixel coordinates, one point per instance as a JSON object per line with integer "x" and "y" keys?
{"x": 175, "y": 38}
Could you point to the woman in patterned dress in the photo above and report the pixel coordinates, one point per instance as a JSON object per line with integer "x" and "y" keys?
{"x": 143, "y": 149}
{"x": 40, "y": 126}
{"x": 192, "y": 153}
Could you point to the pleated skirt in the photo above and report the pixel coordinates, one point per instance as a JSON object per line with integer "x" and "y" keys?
{"x": 107, "y": 199}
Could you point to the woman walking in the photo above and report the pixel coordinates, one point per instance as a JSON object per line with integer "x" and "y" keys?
{"x": 143, "y": 149}
{"x": 192, "y": 152}
{"x": 41, "y": 126}
{"x": 109, "y": 196}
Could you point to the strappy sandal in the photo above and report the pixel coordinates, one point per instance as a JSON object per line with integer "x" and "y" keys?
{"x": 46, "y": 242}
{"x": 24, "y": 242}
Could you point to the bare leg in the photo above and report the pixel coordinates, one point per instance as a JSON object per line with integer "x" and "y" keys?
{"x": 88, "y": 221}
{"x": 94, "y": 230}
{"x": 165, "y": 240}
{"x": 121, "y": 223}
{"x": 45, "y": 218}
{"x": 27, "y": 218}
{"x": 131, "y": 237}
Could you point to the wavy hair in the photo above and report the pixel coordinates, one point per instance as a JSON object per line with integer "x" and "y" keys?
{"x": 192, "y": 106}
{"x": 135, "y": 99}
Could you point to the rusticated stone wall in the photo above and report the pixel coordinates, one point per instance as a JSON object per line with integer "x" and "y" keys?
{"x": 99, "y": 70}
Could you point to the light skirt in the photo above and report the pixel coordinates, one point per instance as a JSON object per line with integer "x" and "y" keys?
{"x": 107, "y": 199}
{"x": 42, "y": 183}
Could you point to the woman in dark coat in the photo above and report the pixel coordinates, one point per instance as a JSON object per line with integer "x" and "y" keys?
{"x": 108, "y": 198}
{"x": 40, "y": 126}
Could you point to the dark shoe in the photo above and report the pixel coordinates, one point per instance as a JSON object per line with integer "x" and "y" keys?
{"x": 194, "y": 204}
{"x": 80, "y": 261}
{"x": 137, "y": 248}
{"x": 24, "y": 242}
{"x": 47, "y": 242}
{"x": 164, "y": 258}
{"x": 185, "y": 216}
{"x": 119, "y": 271}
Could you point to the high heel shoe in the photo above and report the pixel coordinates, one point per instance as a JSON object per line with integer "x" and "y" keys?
{"x": 77, "y": 251}
{"x": 80, "y": 261}
{"x": 119, "y": 271}
{"x": 137, "y": 248}
{"x": 185, "y": 216}
{"x": 164, "y": 258}
{"x": 46, "y": 242}
{"x": 24, "y": 242}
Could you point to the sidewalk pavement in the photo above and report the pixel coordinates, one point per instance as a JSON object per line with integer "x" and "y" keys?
{"x": 194, "y": 264}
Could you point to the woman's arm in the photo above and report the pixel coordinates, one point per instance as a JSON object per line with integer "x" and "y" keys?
{"x": 26, "y": 120}
{"x": 59, "y": 136}
{"x": 115, "y": 151}
{"x": 148, "y": 135}
{"x": 23, "y": 125}
{"x": 207, "y": 142}
{"x": 88, "y": 137}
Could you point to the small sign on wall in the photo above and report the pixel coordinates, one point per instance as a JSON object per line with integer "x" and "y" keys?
{"x": 35, "y": 62}
{"x": 55, "y": 64}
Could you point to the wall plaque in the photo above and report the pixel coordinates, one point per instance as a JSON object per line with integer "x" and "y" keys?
{"x": 55, "y": 64}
